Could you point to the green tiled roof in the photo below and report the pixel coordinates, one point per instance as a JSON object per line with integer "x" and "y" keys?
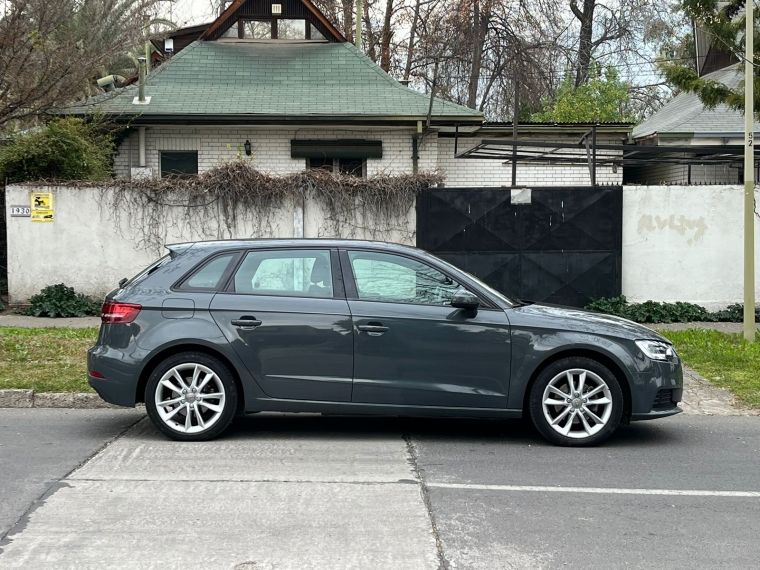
{"x": 262, "y": 80}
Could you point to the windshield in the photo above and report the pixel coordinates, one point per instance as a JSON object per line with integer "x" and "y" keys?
{"x": 488, "y": 288}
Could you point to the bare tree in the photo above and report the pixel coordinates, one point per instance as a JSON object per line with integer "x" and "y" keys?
{"x": 51, "y": 53}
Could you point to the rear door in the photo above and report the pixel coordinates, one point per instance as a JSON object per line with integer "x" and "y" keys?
{"x": 285, "y": 314}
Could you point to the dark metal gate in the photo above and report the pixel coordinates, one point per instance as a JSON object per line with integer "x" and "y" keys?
{"x": 563, "y": 246}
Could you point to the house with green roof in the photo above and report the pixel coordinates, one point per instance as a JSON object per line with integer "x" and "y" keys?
{"x": 279, "y": 83}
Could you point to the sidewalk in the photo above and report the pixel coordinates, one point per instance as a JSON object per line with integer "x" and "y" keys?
{"x": 41, "y": 322}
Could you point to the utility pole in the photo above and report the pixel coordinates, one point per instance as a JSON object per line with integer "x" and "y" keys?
{"x": 359, "y": 14}
{"x": 749, "y": 176}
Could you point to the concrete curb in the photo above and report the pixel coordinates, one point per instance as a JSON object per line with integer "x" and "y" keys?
{"x": 32, "y": 399}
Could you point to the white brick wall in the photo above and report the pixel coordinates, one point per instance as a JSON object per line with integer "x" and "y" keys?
{"x": 487, "y": 173}
{"x": 271, "y": 147}
{"x": 272, "y": 154}
{"x": 679, "y": 174}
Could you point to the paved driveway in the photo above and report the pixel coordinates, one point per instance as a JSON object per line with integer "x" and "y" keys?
{"x": 303, "y": 491}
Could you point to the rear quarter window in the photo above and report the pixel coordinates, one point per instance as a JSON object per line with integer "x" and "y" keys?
{"x": 209, "y": 275}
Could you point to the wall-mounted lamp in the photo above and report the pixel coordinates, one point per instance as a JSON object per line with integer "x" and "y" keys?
{"x": 247, "y": 147}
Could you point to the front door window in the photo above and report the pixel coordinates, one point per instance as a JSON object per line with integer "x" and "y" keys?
{"x": 397, "y": 279}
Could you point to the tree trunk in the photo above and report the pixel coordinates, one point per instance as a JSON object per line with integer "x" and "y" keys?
{"x": 385, "y": 38}
{"x": 371, "y": 44}
{"x": 480, "y": 20}
{"x": 412, "y": 40}
{"x": 348, "y": 20}
{"x": 586, "y": 19}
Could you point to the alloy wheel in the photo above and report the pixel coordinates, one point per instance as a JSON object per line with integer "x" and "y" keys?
{"x": 577, "y": 403}
{"x": 190, "y": 398}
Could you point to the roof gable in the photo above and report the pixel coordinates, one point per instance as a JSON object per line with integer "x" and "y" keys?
{"x": 262, "y": 10}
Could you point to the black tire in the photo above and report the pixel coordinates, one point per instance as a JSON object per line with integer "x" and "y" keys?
{"x": 228, "y": 406}
{"x": 555, "y": 370}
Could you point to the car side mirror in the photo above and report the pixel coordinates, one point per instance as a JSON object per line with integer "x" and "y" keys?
{"x": 463, "y": 299}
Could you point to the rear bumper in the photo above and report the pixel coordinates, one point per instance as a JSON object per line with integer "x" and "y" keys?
{"x": 119, "y": 385}
{"x": 111, "y": 392}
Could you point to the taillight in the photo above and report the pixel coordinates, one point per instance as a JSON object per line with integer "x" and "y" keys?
{"x": 118, "y": 313}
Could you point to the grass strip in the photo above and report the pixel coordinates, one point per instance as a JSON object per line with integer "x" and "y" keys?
{"x": 45, "y": 359}
{"x": 726, "y": 360}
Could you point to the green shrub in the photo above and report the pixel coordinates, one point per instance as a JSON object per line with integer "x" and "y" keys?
{"x": 66, "y": 149}
{"x": 654, "y": 312}
{"x": 62, "y": 301}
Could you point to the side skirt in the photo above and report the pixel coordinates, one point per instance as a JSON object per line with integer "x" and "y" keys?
{"x": 356, "y": 408}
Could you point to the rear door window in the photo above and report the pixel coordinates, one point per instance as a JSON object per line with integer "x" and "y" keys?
{"x": 293, "y": 273}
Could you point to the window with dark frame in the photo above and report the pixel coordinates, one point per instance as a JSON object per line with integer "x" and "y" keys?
{"x": 274, "y": 28}
{"x": 179, "y": 163}
{"x": 256, "y": 29}
{"x": 320, "y": 164}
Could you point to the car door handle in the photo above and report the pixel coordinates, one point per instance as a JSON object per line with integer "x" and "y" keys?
{"x": 373, "y": 329}
{"x": 246, "y": 322}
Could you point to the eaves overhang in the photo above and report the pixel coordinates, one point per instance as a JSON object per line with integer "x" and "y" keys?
{"x": 207, "y": 119}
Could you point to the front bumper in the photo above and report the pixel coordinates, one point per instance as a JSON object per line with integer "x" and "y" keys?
{"x": 657, "y": 390}
{"x": 656, "y": 414}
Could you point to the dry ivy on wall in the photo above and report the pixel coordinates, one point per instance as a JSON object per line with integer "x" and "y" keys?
{"x": 223, "y": 201}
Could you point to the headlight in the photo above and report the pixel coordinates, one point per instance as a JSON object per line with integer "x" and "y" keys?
{"x": 656, "y": 350}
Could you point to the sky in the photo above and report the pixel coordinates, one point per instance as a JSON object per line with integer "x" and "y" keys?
{"x": 190, "y": 12}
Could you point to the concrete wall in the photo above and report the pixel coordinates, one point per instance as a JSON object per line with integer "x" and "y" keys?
{"x": 680, "y": 243}
{"x": 90, "y": 248}
{"x": 685, "y": 243}
{"x": 271, "y": 147}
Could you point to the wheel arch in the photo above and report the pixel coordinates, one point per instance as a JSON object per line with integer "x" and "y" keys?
{"x": 164, "y": 353}
{"x": 606, "y": 360}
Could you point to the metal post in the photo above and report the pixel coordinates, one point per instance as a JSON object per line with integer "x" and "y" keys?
{"x": 593, "y": 155}
{"x": 141, "y": 146}
{"x": 515, "y": 120}
{"x": 359, "y": 14}
{"x": 749, "y": 177}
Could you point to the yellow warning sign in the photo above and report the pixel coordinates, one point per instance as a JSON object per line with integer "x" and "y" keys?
{"x": 42, "y": 206}
{"x": 42, "y": 216}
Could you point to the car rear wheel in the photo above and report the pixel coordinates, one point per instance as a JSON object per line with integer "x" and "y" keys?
{"x": 191, "y": 397}
{"x": 576, "y": 402}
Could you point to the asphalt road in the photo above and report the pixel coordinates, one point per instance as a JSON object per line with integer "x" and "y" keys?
{"x": 305, "y": 491}
{"x": 38, "y": 447}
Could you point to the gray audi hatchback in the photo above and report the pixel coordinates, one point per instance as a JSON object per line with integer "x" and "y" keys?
{"x": 218, "y": 329}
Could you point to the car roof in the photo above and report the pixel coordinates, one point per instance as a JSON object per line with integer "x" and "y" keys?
{"x": 293, "y": 242}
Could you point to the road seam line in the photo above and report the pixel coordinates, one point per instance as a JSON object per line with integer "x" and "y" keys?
{"x": 596, "y": 490}
{"x": 443, "y": 564}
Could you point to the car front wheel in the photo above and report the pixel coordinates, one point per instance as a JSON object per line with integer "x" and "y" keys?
{"x": 576, "y": 402}
{"x": 191, "y": 397}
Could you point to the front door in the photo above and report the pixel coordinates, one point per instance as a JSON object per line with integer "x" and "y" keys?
{"x": 288, "y": 321}
{"x": 411, "y": 347}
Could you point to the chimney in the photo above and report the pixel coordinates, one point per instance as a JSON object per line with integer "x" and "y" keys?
{"x": 141, "y": 65}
